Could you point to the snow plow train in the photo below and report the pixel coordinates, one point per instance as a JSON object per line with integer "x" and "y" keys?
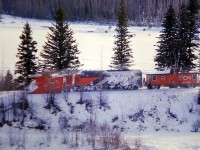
{"x": 67, "y": 80}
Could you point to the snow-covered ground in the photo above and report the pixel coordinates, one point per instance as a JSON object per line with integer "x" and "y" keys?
{"x": 163, "y": 119}
{"x": 95, "y": 42}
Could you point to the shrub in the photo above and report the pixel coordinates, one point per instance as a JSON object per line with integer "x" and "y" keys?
{"x": 196, "y": 126}
{"x": 52, "y": 105}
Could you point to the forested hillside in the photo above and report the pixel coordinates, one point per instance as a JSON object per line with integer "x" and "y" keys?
{"x": 140, "y": 12}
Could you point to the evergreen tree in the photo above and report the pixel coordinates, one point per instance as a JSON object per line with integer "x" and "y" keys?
{"x": 193, "y": 7}
{"x": 122, "y": 58}
{"x": 167, "y": 52}
{"x": 60, "y": 51}
{"x": 183, "y": 37}
{"x": 1, "y": 83}
{"x": 177, "y": 43}
{"x": 27, "y": 60}
{"x": 8, "y": 84}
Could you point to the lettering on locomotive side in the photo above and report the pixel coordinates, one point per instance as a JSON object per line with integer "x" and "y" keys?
{"x": 187, "y": 78}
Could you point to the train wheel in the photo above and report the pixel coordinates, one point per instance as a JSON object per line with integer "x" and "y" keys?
{"x": 173, "y": 86}
{"x": 149, "y": 86}
{"x": 158, "y": 87}
{"x": 134, "y": 87}
{"x": 194, "y": 85}
{"x": 185, "y": 86}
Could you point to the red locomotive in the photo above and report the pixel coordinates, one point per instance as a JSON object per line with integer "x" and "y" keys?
{"x": 68, "y": 80}
{"x": 85, "y": 81}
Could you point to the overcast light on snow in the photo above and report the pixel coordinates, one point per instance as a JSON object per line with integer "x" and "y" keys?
{"x": 165, "y": 122}
{"x": 157, "y": 129}
{"x": 95, "y": 42}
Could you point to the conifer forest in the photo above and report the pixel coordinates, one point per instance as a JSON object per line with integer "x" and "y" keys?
{"x": 140, "y": 12}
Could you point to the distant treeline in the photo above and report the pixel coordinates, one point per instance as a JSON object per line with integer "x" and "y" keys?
{"x": 140, "y": 12}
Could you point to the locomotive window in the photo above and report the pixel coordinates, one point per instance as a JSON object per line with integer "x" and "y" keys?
{"x": 82, "y": 74}
{"x": 194, "y": 77}
{"x": 162, "y": 78}
{"x": 154, "y": 77}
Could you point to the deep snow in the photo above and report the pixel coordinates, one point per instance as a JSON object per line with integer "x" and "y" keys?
{"x": 163, "y": 119}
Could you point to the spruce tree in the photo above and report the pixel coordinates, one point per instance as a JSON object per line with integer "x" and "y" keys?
{"x": 167, "y": 52}
{"x": 183, "y": 36}
{"x": 8, "y": 83}
{"x": 123, "y": 58}
{"x": 1, "y": 82}
{"x": 26, "y": 65}
{"x": 60, "y": 51}
{"x": 193, "y": 7}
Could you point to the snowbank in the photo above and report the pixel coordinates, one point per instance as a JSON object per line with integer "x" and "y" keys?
{"x": 154, "y": 116}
